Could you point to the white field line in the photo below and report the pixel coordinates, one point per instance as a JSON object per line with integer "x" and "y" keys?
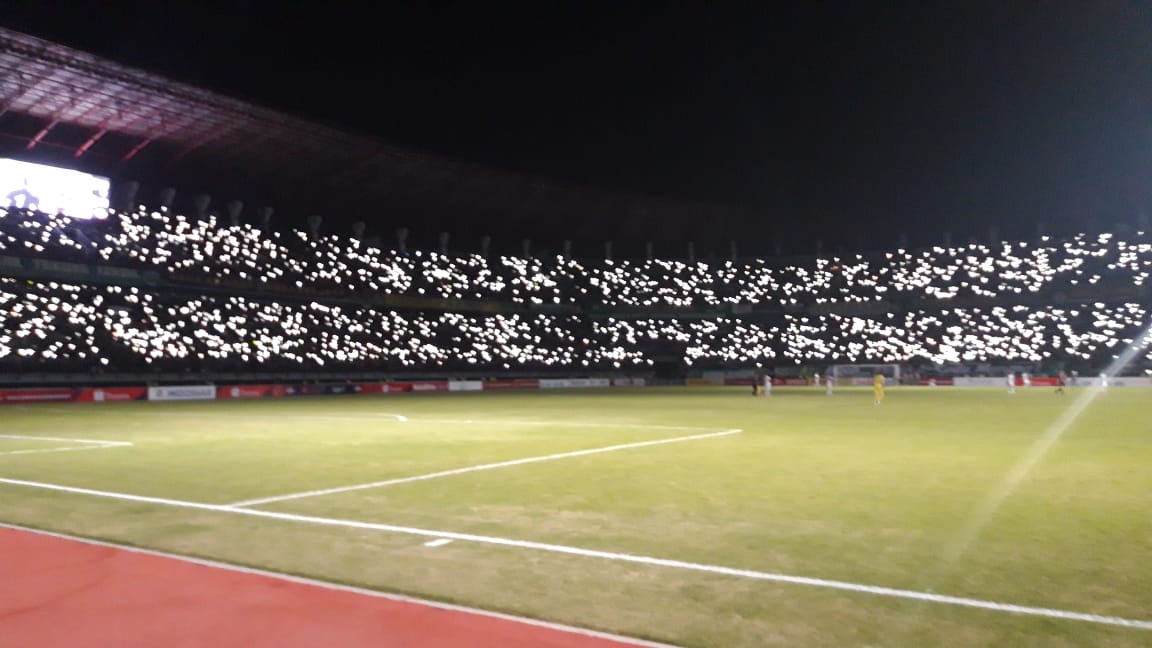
{"x": 875, "y": 590}
{"x": 65, "y": 449}
{"x": 641, "y": 643}
{"x": 469, "y": 469}
{"x": 66, "y": 440}
{"x": 90, "y": 444}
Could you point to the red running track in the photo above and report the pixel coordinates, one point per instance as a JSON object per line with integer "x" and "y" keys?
{"x": 60, "y": 592}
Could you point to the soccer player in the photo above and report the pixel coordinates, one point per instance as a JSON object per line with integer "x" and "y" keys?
{"x": 1061, "y": 380}
{"x": 1011, "y": 383}
{"x": 829, "y": 383}
{"x": 1103, "y": 380}
{"x": 878, "y": 388}
{"x": 767, "y": 385}
{"x": 1026, "y": 379}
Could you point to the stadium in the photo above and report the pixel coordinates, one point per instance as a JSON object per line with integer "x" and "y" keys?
{"x": 221, "y": 429}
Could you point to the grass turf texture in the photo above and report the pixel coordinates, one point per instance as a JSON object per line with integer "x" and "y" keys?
{"x": 832, "y": 488}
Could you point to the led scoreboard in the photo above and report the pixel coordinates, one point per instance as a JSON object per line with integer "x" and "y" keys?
{"x": 53, "y": 190}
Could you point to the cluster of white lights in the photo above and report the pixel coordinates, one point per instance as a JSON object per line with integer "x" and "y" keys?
{"x": 174, "y": 244}
{"x": 64, "y": 324}
{"x": 938, "y": 273}
{"x": 72, "y": 325}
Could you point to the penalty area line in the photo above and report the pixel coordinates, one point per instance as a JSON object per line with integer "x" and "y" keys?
{"x": 471, "y": 469}
{"x": 876, "y": 590}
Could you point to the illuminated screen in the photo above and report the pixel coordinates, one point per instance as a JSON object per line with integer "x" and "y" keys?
{"x": 53, "y": 190}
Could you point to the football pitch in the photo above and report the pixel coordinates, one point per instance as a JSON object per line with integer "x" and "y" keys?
{"x": 694, "y": 516}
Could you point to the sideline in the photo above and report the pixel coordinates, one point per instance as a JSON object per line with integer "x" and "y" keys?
{"x": 1049, "y": 613}
{"x": 399, "y": 598}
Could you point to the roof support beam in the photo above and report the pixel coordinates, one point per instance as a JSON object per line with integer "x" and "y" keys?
{"x": 136, "y": 149}
{"x": 215, "y": 130}
{"x": 43, "y": 131}
{"x": 180, "y": 155}
{"x": 96, "y": 137}
{"x": 155, "y": 111}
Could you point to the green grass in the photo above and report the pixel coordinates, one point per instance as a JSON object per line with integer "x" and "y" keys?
{"x": 832, "y": 488}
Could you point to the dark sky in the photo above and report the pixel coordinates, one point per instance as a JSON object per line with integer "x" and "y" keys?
{"x": 876, "y": 117}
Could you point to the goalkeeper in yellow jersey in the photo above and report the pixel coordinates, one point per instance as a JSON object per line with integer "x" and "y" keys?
{"x": 878, "y": 388}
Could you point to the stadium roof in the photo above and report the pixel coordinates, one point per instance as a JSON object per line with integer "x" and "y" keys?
{"x": 109, "y": 117}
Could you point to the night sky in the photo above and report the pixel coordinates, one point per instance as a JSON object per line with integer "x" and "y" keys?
{"x": 862, "y": 118}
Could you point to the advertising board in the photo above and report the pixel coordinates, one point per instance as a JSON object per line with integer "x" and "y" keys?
{"x": 385, "y": 388}
{"x": 53, "y": 395}
{"x": 511, "y": 384}
{"x": 249, "y": 391}
{"x": 110, "y": 394}
{"x": 182, "y": 392}
{"x": 53, "y": 190}
{"x": 429, "y": 386}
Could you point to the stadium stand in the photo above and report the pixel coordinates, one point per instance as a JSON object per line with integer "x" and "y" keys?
{"x": 150, "y": 290}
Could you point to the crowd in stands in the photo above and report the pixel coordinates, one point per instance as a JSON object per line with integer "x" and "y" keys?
{"x": 947, "y": 304}
{"x": 208, "y": 250}
{"x": 75, "y": 326}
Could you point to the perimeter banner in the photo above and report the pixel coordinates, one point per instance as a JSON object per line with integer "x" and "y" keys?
{"x": 573, "y": 383}
{"x": 752, "y": 380}
{"x": 322, "y": 390}
{"x": 1135, "y": 381}
{"x": 182, "y": 392}
{"x": 51, "y": 395}
{"x": 430, "y": 386}
{"x": 249, "y": 391}
{"x": 511, "y": 384}
{"x": 111, "y": 394}
{"x": 385, "y": 388}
